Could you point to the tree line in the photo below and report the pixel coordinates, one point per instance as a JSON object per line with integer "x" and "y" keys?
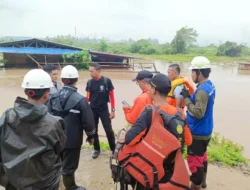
{"x": 184, "y": 42}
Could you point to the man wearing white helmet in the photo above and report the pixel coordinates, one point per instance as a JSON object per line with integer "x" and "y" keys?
{"x": 32, "y": 139}
{"x": 77, "y": 114}
{"x": 200, "y": 120}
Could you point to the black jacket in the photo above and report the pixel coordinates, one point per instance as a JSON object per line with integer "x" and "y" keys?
{"x": 31, "y": 143}
{"x": 76, "y": 112}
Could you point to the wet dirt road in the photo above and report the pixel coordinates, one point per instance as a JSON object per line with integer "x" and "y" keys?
{"x": 98, "y": 176}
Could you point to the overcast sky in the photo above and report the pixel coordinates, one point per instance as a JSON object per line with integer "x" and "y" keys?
{"x": 214, "y": 20}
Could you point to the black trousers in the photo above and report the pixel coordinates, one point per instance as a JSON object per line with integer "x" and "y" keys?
{"x": 70, "y": 160}
{"x": 197, "y": 160}
{"x": 102, "y": 112}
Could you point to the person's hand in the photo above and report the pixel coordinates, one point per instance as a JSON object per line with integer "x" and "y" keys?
{"x": 126, "y": 107}
{"x": 185, "y": 93}
{"x": 112, "y": 115}
{"x": 121, "y": 138}
{"x": 90, "y": 140}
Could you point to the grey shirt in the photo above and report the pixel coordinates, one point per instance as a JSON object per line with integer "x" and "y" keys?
{"x": 57, "y": 87}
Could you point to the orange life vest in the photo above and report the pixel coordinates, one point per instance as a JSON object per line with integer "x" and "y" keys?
{"x": 144, "y": 161}
{"x": 177, "y": 82}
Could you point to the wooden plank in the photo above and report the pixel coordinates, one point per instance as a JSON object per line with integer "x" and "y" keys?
{"x": 38, "y": 64}
{"x": 154, "y": 67}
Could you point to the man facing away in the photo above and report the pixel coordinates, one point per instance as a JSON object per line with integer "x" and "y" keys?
{"x": 100, "y": 91}
{"x": 178, "y": 83}
{"x": 132, "y": 113}
{"x": 32, "y": 140}
{"x": 75, "y": 111}
{"x": 200, "y": 120}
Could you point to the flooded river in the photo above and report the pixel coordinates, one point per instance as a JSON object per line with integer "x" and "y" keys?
{"x": 232, "y": 105}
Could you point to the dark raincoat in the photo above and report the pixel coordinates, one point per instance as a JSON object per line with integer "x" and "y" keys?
{"x": 31, "y": 143}
{"x": 77, "y": 114}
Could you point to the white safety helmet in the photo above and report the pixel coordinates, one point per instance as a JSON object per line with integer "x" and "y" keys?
{"x": 69, "y": 72}
{"x": 200, "y": 62}
{"x": 37, "y": 79}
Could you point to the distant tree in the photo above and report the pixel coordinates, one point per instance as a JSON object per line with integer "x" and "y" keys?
{"x": 165, "y": 49}
{"x": 148, "y": 50}
{"x": 130, "y": 41}
{"x": 139, "y": 46}
{"x": 153, "y": 41}
{"x": 103, "y": 46}
{"x": 82, "y": 58}
{"x": 230, "y": 49}
{"x": 183, "y": 38}
{"x": 67, "y": 40}
{"x": 212, "y": 45}
{"x": 118, "y": 48}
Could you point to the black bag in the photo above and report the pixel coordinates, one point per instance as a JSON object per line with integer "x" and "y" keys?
{"x": 119, "y": 174}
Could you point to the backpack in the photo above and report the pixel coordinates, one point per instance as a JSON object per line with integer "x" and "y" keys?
{"x": 119, "y": 173}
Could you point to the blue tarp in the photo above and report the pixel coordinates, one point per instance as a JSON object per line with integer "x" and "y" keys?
{"x": 32, "y": 50}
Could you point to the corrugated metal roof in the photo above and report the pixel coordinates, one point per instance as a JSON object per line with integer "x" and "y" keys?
{"x": 47, "y": 47}
{"x": 34, "y": 40}
{"x": 32, "y": 50}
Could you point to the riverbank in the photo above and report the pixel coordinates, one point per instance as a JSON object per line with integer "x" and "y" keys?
{"x": 221, "y": 151}
{"x": 188, "y": 58}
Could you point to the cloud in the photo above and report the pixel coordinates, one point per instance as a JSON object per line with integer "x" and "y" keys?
{"x": 214, "y": 20}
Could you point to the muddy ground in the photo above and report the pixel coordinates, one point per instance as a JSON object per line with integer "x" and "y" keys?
{"x": 95, "y": 174}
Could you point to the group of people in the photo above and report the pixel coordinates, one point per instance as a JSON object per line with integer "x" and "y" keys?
{"x": 41, "y": 137}
{"x": 169, "y": 96}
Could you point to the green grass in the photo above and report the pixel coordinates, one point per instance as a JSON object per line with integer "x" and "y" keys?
{"x": 220, "y": 150}
{"x": 189, "y": 57}
{"x": 103, "y": 145}
{"x": 224, "y": 151}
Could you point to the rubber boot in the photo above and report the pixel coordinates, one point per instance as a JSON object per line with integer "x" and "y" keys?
{"x": 70, "y": 184}
{"x": 96, "y": 153}
{"x": 204, "y": 183}
{"x": 195, "y": 187}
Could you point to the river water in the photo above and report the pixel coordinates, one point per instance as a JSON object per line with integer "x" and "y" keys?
{"x": 232, "y": 104}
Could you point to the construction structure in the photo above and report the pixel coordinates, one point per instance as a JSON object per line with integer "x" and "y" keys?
{"x": 37, "y": 52}
{"x": 244, "y": 66}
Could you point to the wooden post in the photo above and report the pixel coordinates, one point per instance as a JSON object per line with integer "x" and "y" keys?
{"x": 59, "y": 66}
{"x": 38, "y": 64}
{"x": 45, "y": 60}
{"x": 154, "y": 67}
{"x": 141, "y": 66}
